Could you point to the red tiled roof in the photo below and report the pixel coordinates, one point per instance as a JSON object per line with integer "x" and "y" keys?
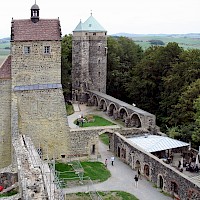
{"x": 5, "y": 69}
{"x": 44, "y": 29}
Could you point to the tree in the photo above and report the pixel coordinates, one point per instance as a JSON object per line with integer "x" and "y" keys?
{"x": 146, "y": 81}
{"x": 156, "y": 42}
{"x": 66, "y": 65}
{"x": 196, "y": 133}
{"x": 123, "y": 55}
{"x": 185, "y": 110}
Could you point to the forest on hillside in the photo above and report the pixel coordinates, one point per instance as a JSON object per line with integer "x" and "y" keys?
{"x": 163, "y": 80}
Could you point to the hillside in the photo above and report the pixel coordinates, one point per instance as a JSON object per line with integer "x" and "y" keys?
{"x": 187, "y": 41}
{"x": 4, "y": 49}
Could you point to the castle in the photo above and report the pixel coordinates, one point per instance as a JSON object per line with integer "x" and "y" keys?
{"x": 31, "y": 88}
{"x": 32, "y": 103}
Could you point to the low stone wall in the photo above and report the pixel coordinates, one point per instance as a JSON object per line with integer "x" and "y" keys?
{"x": 174, "y": 182}
{"x": 84, "y": 142}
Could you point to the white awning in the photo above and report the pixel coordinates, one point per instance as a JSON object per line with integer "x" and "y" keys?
{"x": 154, "y": 143}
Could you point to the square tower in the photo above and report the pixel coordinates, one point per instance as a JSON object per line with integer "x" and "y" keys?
{"x": 89, "y": 59}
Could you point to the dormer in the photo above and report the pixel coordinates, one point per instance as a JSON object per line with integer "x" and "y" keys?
{"x": 35, "y": 13}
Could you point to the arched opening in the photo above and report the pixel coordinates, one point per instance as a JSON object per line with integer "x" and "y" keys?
{"x": 135, "y": 121}
{"x": 103, "y": 105}
{"x": 93, "y": 149}
{"x": 146, "y": 170}
{"x": 160, "y": 182}
{"x": 174, "y": 188}
{"x": 137, "y": 165}
{"x": 95, "y": 101}
{"x": 106, "y": 138}
{"x": 118, "y": 152}
{"x": 123, "y": 114}
{"x": 112, "y": 109}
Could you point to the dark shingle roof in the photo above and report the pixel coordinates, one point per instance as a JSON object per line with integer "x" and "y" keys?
{"x": 44, "y": 29}
{"x": 35, "y": 7}
{"x": 5, "y": 69}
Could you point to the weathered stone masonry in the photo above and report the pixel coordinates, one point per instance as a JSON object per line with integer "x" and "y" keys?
{"x": 5, "y": 114}
{"x": 154, "y": 168}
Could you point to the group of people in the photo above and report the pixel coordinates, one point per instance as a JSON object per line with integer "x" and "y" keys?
{"x": 192, "y": 167}
{"x": 137, "y": 176}
{"x": 112, "y": 159}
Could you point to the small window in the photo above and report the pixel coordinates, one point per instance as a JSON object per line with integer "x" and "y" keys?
{"x": 90, "y": 25}
{"x": 47, "y": 49}
{"x": 27, "y": 49}
{"x": 94, "y": 33}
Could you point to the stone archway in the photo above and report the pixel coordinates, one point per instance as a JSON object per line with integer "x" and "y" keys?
{"x": 107, "y": 138}
{"x": 95, "y": 101}
{"x": 137, "y": 165}
{"x": 174, "y": 190}
{"x": 160, "y": 182}
{"x": 112, "y": 109}
{"x": 123, "y": 114}
{"x": 146, "y": 170}
{"x": 135, "y": 121}
{"x": 103, "y": 105}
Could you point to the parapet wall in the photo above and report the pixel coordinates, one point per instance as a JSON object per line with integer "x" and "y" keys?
{"x": 5, "y": 125}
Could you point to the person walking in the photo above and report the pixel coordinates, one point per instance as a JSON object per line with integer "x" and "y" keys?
{"x": 106, "y": 162}
{"x": 139, "y": 174}
{"x": 112, "y": 160}
{"x": 136, "y": 181}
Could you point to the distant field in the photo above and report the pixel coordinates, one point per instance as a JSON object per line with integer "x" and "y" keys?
{"x": 185, "y": 42}
{"x": 4, "y": 52}
{"x": 2, "y": 58}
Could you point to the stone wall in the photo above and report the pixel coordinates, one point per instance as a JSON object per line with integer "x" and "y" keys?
{"x": 42, "y": 116}
{"x": 89, "y": 64}
{"x": 154, "y": 168}
{"x": 98, "y": 62}
{"x": 36, "y": 67}
{"x": 8, "y": 179}
{"x": 84, "y": 142}
{"x": 5, "y": 125}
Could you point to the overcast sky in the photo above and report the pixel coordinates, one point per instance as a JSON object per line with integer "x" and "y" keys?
{"x": 130, "y": 16}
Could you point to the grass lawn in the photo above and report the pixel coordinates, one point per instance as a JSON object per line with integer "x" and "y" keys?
{"x": 97, "y": 121}
{"x": 70, "y": 109}
{"x": 13, "y": 192}
{"x": 67, "y": 170}
{"x": 95, "y": 170}
{"x": 109, "y": 195}
{"x": 104, "y": 138}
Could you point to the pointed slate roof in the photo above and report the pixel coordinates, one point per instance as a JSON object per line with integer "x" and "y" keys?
{"x": 79, "y": 27}
{"x": 90, "y": 25}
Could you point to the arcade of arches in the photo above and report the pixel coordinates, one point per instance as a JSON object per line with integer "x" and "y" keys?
{"x": 118, "y": 112}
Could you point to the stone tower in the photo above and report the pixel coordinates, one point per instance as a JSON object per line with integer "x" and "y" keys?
{"x": 38, "y": 108}
{"x": 89, "y": 59}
